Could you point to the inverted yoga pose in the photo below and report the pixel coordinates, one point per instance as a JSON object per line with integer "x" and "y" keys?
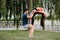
{"x": 39, "y": 10}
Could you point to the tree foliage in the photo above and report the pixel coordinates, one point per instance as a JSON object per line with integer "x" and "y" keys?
{"x": 16, "y": 7}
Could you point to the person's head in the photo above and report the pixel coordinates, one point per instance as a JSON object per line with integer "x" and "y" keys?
{"x": 35, "y": 9}
{"x": 26, "y": 10}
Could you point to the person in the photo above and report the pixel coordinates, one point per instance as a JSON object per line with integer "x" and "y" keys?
{"x": 30, "y": 27}
{"x": 40, "y": 10}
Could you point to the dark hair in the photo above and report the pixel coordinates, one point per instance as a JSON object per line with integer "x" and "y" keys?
{"x": 25, "y": 10}
{"x": 35, "y": 8}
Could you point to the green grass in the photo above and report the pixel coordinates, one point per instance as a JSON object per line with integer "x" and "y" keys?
{"x": 23, "y": 35}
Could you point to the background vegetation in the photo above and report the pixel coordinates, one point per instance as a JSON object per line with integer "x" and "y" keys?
{"x": 12, "y": 10}
{"x": 16, "y": 7}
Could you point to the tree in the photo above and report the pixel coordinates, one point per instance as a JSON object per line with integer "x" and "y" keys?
{"x": 57, "y": 8}
{"x": 3, "y": 8}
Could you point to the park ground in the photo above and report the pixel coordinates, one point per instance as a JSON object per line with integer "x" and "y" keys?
{"x": 23, "y": 35}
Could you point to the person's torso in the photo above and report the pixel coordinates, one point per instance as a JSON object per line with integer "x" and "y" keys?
{"x": 25, "y": 19}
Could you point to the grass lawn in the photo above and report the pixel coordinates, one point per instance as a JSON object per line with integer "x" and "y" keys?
{"x": 23, "y": 35}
